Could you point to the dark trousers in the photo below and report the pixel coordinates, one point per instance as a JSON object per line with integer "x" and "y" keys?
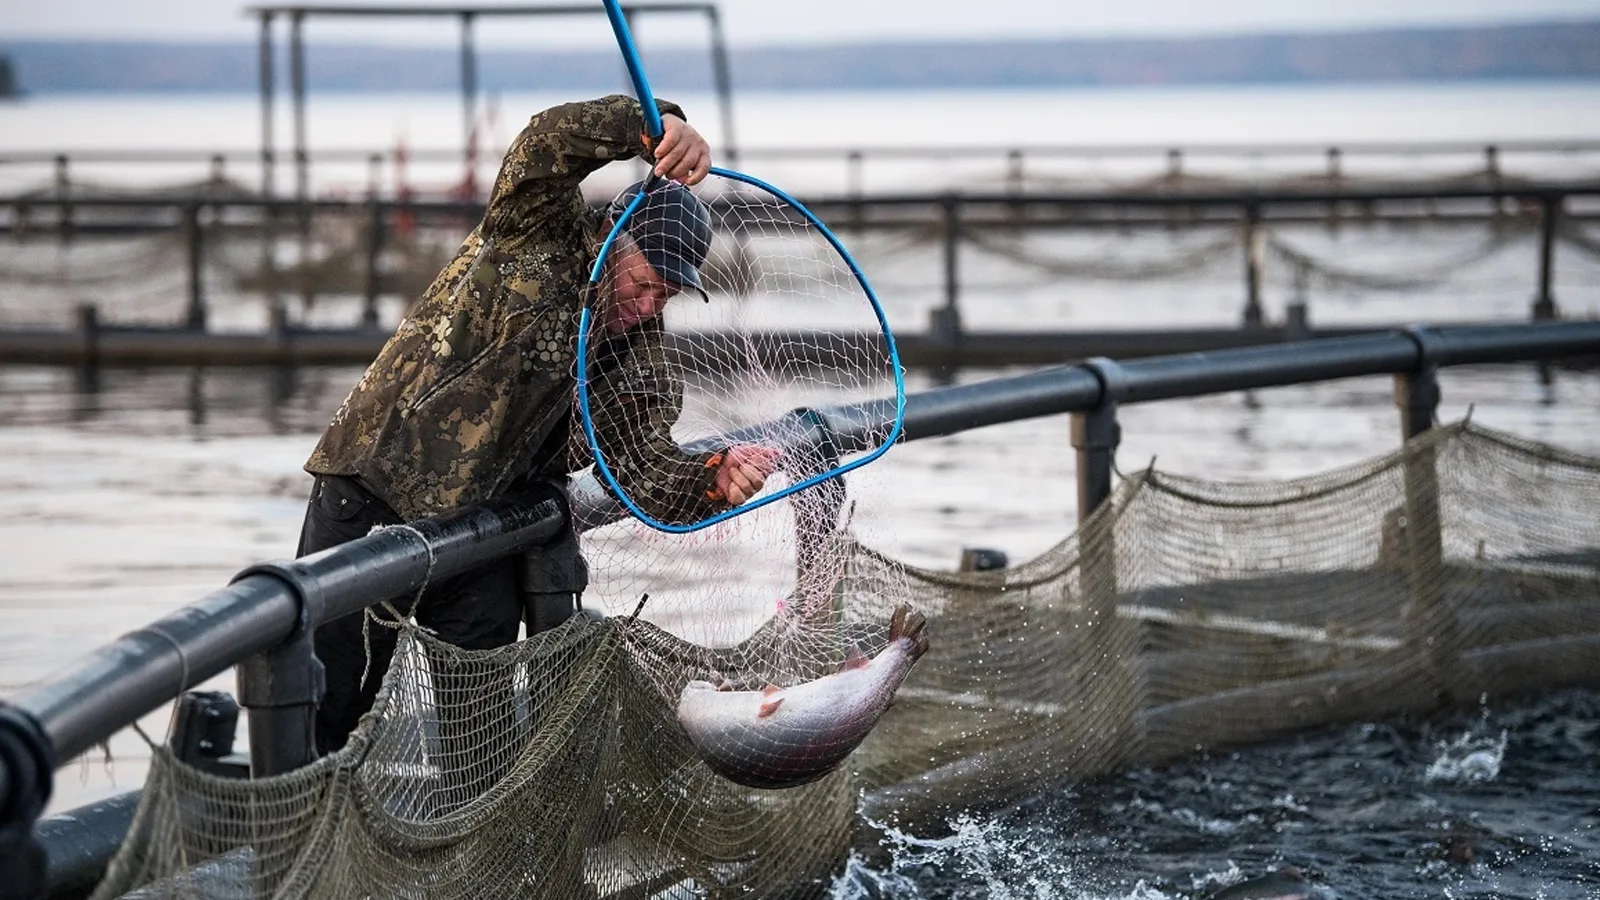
{"x": 477, "y": 610}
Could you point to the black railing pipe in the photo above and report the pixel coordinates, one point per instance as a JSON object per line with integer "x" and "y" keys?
{"x": 139, "y": 671}
{"x": 1472, "y": 345}
{"x": 1193, "y": 374}
{"x": 127, "y": 678}
{"x": 1074, "y": 388}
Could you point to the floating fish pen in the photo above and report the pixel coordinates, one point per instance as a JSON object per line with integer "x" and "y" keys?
{"x": 224, "y": 279}
{"x": 1182, "y": 614}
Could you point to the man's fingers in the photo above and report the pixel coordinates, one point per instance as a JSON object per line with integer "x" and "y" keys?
{"x": 730, "y": 487}
{"x": 700, "y": 160}
{"x": 744, "y": 471}
{"x": 695, "y": 168}
{"x": 675, "y": 144}
{"x": 669, "y": 156}
{"x": 739, "y": 481}
{"x": 682, "y": 154}
{"x": 764, "y": 459}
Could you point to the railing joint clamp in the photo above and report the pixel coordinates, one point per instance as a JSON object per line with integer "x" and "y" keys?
{"x": 1429, "y": 347}
{"x": 306, "y": 589}
{"x": 1098, "y": 429}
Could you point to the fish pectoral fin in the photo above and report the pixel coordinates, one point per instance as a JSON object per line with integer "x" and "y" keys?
{"x": 770, "y": 700}
{"x": 726, "y": 685}
{"x": 855, "y": 659}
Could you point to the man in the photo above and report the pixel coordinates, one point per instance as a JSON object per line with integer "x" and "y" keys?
{"x": 473, "y": 396}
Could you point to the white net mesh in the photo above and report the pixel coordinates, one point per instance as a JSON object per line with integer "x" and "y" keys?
{"x": 787, "y": 324}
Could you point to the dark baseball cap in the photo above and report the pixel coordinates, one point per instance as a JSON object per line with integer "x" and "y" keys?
{"x": 672, "y": 229}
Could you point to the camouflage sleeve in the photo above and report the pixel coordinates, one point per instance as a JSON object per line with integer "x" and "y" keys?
{"x": 634, "y": 406}
{"x": 561, "y": 146}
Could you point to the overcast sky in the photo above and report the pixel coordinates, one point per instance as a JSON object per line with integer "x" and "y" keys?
{"x": 749, "y": 22}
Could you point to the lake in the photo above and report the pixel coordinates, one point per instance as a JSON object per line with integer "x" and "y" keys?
{"x": 130, "y": 495}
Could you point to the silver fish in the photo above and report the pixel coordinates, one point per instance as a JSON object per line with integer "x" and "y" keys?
{"x": 786, "y": 737}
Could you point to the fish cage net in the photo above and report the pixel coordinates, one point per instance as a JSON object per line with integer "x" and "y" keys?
{"x": 1183, "y": 614}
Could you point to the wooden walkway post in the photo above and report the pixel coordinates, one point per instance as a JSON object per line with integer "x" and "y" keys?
{"x": 1335, "y": 182}
{"x": 302, "y": 156}
{"x": 375, "y": 237}
{"x": 195, "y": 239}
{"x": 854, "y": 187}
{"x": 64, "y": 196}
{"x": 944, "y": 325}
{"x": 1544, "y": 304}
{"x": 1252, "y": 265}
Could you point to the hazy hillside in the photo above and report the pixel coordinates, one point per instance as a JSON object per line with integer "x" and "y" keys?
{"x": 1551, "y": 50}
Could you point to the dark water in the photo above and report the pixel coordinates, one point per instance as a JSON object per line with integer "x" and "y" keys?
{"x": 1501, "y": 802}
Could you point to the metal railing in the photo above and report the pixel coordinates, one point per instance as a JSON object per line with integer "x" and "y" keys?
{"x": 199, "y": 219}
{"x": 1014, "y": 164}
{"x": 263, "y": 620}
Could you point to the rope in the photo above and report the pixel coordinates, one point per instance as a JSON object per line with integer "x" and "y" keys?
{"x": 1184, "y": 262}
{"x": 399, "y": 620}
{"x": 183, "y": 659}
{"x": 1333, "y": 275}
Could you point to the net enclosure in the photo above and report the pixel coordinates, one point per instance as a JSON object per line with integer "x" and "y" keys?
{"x": 1184, "y": 613}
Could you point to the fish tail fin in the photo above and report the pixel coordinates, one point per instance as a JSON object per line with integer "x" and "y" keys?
{"x": 912, "y": 625}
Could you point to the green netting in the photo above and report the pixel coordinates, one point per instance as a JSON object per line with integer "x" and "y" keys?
{"x": 1185, "y": 613}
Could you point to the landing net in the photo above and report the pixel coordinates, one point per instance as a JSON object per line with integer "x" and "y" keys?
{"x": 789, "y": 324}
{"x": 1185, "y": 613}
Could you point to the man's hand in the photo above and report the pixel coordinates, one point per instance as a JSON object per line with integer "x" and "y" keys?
{"x": 681, "y": 154}
{"x": 744, "y": 470}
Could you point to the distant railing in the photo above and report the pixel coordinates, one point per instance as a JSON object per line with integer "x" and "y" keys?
{"x": 264, "y": 619}
{"x": 847, "y": 166}
{"x": 945, "y": 215}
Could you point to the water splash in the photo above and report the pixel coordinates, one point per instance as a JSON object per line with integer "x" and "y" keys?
{"x": 1215, "y": 881}
{"x": 1469, "y": 758}
{"x": 991, "y": 859}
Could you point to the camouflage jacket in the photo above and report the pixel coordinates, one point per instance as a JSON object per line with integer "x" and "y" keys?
{"x": 477, "y": 386}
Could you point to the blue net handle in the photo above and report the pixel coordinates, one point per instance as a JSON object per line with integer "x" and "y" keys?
{"x": 585, "y": 320}
{"x": 630, "y": 56}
